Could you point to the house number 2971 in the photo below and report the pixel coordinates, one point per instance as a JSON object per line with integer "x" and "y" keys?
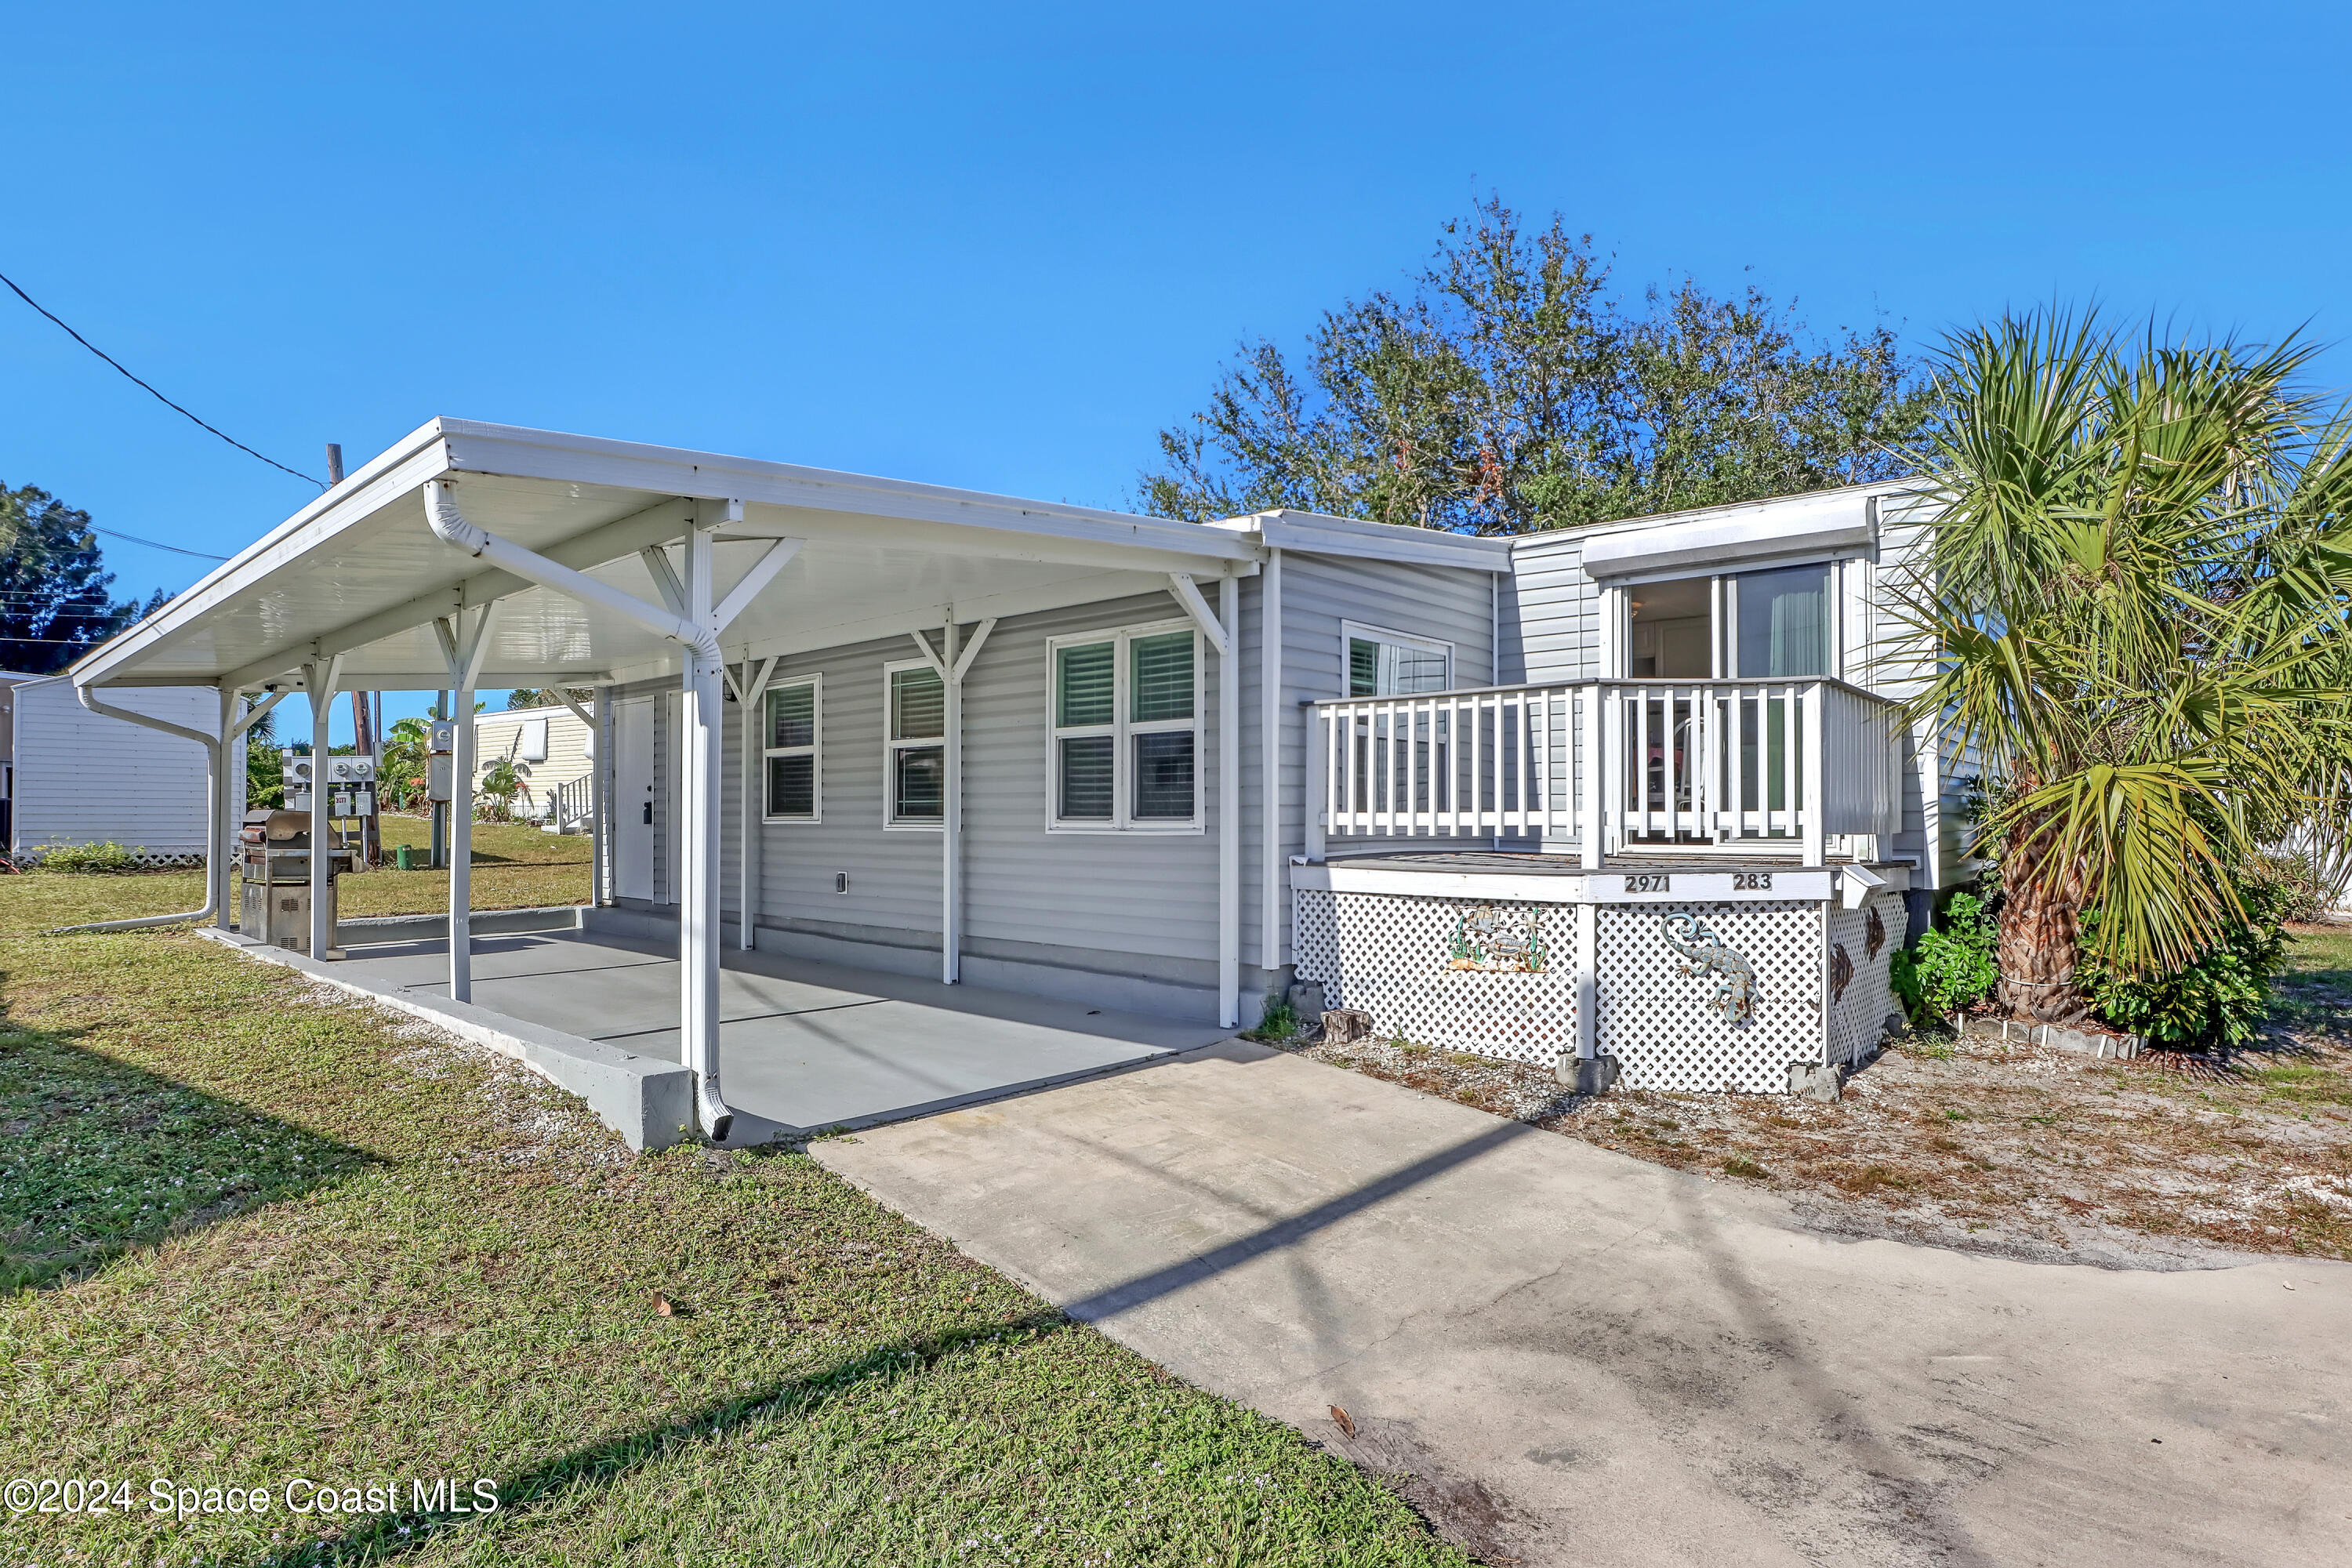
{"x": 1649, "y": 882}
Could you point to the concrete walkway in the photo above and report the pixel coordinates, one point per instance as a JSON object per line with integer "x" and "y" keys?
{"x": 801, "y": 1045}
{"x": 1582, "y": 1358}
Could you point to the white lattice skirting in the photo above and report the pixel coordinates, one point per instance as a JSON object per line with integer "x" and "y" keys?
{"x": 1500, "y": 979}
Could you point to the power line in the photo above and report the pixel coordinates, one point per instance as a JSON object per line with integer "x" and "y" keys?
{"x": 151, "y": 544}
{"x": 157, "y": 395}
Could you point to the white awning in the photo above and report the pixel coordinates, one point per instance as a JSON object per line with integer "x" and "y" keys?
{"x": 359, "y": 574}
{"x": 1833, "y": 523}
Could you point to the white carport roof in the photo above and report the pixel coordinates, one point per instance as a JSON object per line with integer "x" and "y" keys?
{"x": 359, "y": 573}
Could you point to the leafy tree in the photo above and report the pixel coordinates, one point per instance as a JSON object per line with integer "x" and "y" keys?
{"x": 546, "y": 697}
{"x": 402, "y": 765}
{"x": 54, "y": 604}
{"x": 1510, "y": 392}
{"x": 2138, "y": 583}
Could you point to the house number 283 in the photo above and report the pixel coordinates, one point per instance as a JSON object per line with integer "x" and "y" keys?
{"x": 1751, "y": 881}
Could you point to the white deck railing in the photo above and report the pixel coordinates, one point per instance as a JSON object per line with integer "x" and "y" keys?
{"x": 1611, "y": 766}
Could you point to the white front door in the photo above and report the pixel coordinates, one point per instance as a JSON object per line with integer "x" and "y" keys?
{"x": 633, "y": 798}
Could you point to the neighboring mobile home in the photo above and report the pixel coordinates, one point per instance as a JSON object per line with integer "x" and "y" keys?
{"x": 1634, "y": 800}
{"x": 69, "y": 776}
{"x": 554, "y": 751}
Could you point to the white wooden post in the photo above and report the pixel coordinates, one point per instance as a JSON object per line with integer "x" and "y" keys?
{"x": 320, "y": 679}
{"x": 698, "y": 807}
{"x": 1590, "y": 767}
{"x": 1587, "y": 978}
{"x": 465, "y": 642}
{"x": 1318, "y": 782}
{"x": 952, "y": 810}
{"x": 751, "y": 697}
{"x": 228, "y": 782}
{"x": 591, "y": 721}
{"x": 1229, "y": 817}
{"x": 1269, "y": 760}
{"x": 1810, "y": 763}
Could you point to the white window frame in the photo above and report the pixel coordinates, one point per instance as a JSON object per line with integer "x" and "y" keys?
{"x": 1123, "y": 729}
{"x": 814, "y": 749}
{"x": 1847, "y": 579}
{"x": 1356, "y": 631}
{"x": 891, "y": 748}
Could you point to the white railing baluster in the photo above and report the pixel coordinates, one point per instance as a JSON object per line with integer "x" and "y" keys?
{"x": 1797, "y": 763}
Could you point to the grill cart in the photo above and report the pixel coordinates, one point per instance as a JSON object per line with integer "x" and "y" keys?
{"x": 274, "y": 856}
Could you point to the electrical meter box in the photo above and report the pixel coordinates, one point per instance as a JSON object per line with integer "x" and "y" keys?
{"x": 442, "y": 738}
{"x": 346, "y": 784}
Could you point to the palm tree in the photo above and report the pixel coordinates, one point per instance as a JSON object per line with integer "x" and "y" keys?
{"x": 2137, "y": 587}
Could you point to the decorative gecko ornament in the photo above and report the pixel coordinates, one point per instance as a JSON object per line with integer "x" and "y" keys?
{"x": 1703, "y": 953}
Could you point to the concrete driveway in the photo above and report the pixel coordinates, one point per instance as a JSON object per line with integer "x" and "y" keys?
{"x": 1582, "y": 1358}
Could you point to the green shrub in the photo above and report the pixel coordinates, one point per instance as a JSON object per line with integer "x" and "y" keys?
{"x": 2302, "y": 898}
{"x": 2222, "y": 997}
{"x": 1279, "y": 1021}
{"x": 1953, "y": 965}
{"x": 92, "y": 858}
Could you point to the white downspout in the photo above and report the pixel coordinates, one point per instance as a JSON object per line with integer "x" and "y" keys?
{"x": 1229, "y": 816}
{"x": 698, "y": 1021}
{"x": 216, "y": 851}
{"x": 1269, "y": 760}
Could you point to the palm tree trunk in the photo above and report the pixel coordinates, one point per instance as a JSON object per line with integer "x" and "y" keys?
{"x": 2040, "y": 916}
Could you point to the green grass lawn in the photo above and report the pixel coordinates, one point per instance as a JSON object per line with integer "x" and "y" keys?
{"x": 515, "y": 867}
{"x": 254, "y": 1235}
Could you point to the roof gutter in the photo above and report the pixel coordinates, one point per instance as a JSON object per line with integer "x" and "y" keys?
{"x": 449, "y": 525}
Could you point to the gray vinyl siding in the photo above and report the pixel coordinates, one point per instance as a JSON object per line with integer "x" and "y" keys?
{"x": 1151, "y": 896}
{"x": 1318, "y": 592}
{"x": 82, "y": 778}
{"x": 1941, "y": 786}
{"x": 1551, "y": 612}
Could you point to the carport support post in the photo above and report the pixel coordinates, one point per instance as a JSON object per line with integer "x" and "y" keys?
{"x": 228, "y": 806}
{"x": 750, "y": 697}
{"x": 465, "y": 641}
{"x": 320, "y": 679}
{"x": 698, "y": 934}
{"x": 951, "y": 813}
{"x": 1229, "y": 807}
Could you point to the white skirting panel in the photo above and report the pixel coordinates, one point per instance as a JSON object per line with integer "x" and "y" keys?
{"x": 1499, "y": 977}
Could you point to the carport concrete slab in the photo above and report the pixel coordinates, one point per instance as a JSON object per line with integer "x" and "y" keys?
{"x": 801, "y": 1045}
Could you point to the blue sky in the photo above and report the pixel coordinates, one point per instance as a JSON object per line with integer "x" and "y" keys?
{"x": 1003, "y": 249}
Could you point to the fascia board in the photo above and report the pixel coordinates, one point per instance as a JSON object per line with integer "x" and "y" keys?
{"x": 1579, "y": 538}
{"x": 506, "y": 452}
{"x": 1314, "y": 534}
{"x": 1840, "y": 520}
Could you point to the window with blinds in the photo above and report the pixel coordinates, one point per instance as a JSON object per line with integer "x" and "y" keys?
{"x": 917, "y": 764}
{"x": 789, "y": 748}
{"x": 1127, "y": 729}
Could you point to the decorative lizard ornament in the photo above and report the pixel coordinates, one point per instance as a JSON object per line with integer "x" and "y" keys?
{"x": 1704, "y": 952}
{"x": 1841, "y": 973}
